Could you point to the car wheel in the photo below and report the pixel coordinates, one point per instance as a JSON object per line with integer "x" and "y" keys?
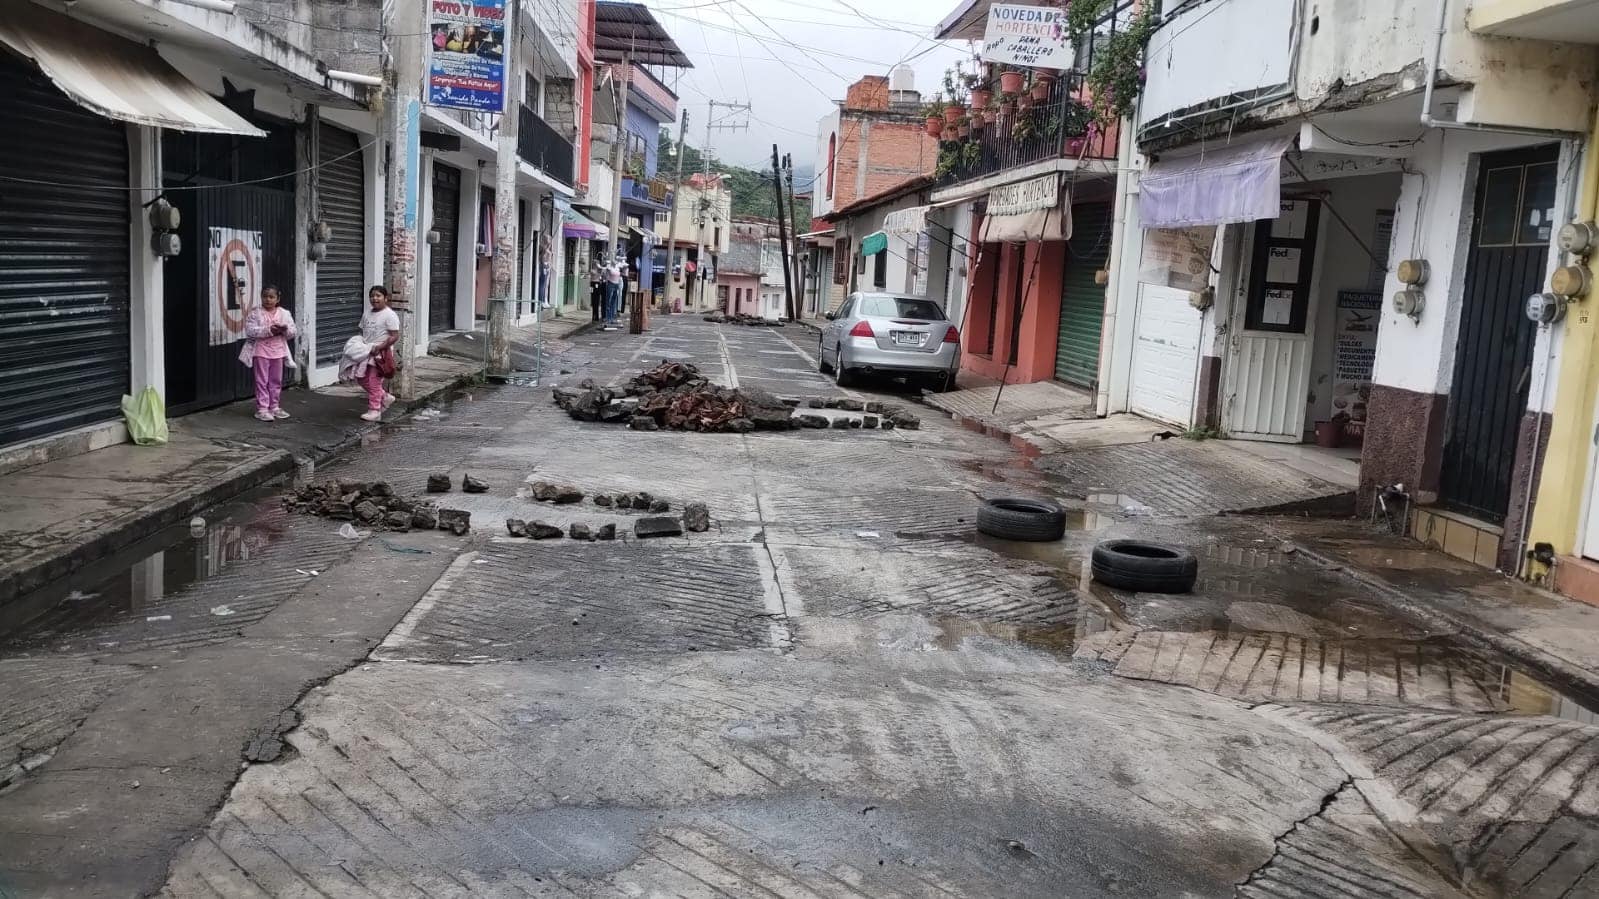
{"x": 1011, "y": 518}
{"x": 943, "y": 382}
{"x": 842, "y": 376}
{"x": 1144, "y": 567}
{"x": 821, "y": 358}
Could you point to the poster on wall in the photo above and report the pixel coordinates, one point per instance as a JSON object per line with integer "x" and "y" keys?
{"x": 234, "y": 281}
{"x": 1359, "y": 312}
{"x": 466, "y": 59}
{"x": 1033, "y": 36}
{"x": 1177, "y": 257}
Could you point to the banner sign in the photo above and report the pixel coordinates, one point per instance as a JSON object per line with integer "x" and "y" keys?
{"x": 466, "y": 60}
{"x": 1177, "y": 257}
{"x": 1033, "y": 36}
{"x": 1359, "y": 313}
{"x": 1031, "y": 195}
{"x": 234, "y": 282}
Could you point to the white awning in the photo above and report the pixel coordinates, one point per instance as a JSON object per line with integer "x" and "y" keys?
{"x": 1237, "y": 183}
{"x": 1035, "y": 209}
{"x": 114, "y": 77}
{"x": 906, "y": 223}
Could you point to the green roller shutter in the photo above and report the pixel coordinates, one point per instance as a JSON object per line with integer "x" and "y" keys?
{"x": 1082, "y": 302}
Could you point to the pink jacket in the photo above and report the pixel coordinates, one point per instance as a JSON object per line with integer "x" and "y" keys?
{"x": 259, "y": 339}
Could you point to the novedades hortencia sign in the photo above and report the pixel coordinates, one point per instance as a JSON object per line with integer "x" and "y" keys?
{"x": 466, "y": 60}
{"x": 1033, "y": 36}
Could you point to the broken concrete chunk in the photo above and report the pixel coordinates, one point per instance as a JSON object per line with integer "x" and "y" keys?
{"x": 887, "y": 424}
{"x": 367, "y": 511}
{"x": 543, "y": 491}
{"x": 425, "y": 518}
{"x": 850, "y": 405}
{"x": 907, "y": 421}
{"x": 643, "y": 423}
{"x": 623, "y": 501}
{"x": 854, "y": 422}
{"x": 602, "y": 499}
{"x": 516, "y": 527}
{"x": 660, "y": 505}
{"x": 539, "y": 530}
{"x": 741, "y": 425}
{"x": 641, "y": 500}
{"x": 566, "y": 494}
{"x": 338, "y": 510}
{"x": 697, "y": 517}
{"x": 657, "y": 526}
{"x": 473, "y": 485}
{"x": 874, "y": 406}
{"x": 791, "y": 401}
{"x": 840, "y": 424}
{"x": 438, "y": 483}
{"x": 816, "y": 402}
{"x": 869, "y": 421}
{"x": 831, "y": 402}
{"x": 379, "y": 488}
{"x": 807, "y": 420}
{"x": 605, "y": 532}
{"x": 456, "y": 521}
{"x": 580, "y": 532}
{"x": 400, "y": 521}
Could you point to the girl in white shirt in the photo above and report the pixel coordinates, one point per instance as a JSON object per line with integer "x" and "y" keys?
{"x": 380, "y": 328}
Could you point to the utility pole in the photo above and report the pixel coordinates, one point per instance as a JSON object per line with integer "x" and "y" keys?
{"x": 793, "y": 212}
{"x": 637, "y": 317}
{"x": 671, "y": 220}
{"x": 404, "y": 130}
{"x": 729, "y": 122}
{"x": 782, "y": 232}
{"x": 505, "y": 261}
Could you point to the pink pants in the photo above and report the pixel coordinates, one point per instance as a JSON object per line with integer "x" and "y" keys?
{"x": 373, "y": 382}
{"x": 268, "y": 383}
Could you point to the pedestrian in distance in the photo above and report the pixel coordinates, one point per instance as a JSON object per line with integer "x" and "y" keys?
{"x": 267, "y": 331}
{"x": 613, "y": 293}
{"x": 369, "y": 356}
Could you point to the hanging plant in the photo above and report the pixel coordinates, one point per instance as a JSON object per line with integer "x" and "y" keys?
{"x": 1117, "y": 77}
{"x": 1040, "y": 91}
{"x": 1007, "y": 102}
{"x": 1010, "y": 81}
{"x": 1024, "y": 127}
{"x": 971, "y": 154}
{"x": 935, "y": 125}
{"x": 1076, "y": 118}
{"x": 981, "y": 97}
{"x": 1083, "y": 15}
{"x": 949, "y": 157}
{"x": 1024, "y": 102}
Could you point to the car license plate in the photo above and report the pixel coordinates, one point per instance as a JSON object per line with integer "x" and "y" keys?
{"x": 907, "y": 338}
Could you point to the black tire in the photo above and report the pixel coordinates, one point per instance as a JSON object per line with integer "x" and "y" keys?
{"x": 1014, "y": 518}
{"x": 821, "y": 359}
{"x": 842, "y": 376}
{"x": 1144, "y": 567}
{"x": 939, "y": 383}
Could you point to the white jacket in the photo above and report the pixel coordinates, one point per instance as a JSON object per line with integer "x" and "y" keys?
{"x": 357, "y": 356}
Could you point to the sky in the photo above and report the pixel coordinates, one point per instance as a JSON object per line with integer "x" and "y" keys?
{"x": 791, "y": 60}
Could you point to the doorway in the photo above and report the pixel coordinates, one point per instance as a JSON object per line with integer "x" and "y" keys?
{"x": 442, "y": 255}
{"x": 1512, "y": 225}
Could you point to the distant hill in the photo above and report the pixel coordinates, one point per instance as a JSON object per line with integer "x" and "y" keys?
{"x": 752, "y": 190}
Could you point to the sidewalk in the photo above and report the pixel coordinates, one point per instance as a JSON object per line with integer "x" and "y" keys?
{"x": 531, "y": 345}
{"x": 66, "y": 513}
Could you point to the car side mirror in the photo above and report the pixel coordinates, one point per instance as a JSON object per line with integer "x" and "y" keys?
{"x": 831, "y": 316}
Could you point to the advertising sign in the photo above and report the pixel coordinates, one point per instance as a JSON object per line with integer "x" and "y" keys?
{"x": 1032, "y": 195}
{"x": 466, "y": 60}
{"x": 1359, "y": 313}
{"x": 1177, "y": 257}
{"x": 1033, "y": 36}
{"x": 234, "y": 281}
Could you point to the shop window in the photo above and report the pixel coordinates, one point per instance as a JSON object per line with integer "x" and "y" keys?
{"x": 880, "y": 269}
{"x": 1280, "y": 274}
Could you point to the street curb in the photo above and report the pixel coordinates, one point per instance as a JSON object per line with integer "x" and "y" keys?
{"x": 170, "y": 510}
{"x": 143, "y": 522}
{"x": 1433, "y": 616}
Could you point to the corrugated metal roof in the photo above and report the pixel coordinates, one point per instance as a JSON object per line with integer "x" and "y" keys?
{"x": 631, "y": 29}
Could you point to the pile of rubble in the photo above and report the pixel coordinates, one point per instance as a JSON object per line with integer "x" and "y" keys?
{"x": 374, "y": 503}
{"x": 741, "y": 318}
{"x": 696, "y": 518}
{"x": 674, "y": 395}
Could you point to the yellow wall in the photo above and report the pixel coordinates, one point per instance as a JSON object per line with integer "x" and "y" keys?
{"x": 1558, "y": 515}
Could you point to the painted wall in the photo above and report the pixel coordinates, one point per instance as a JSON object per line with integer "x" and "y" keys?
{"x": 1184, "y": 69}
{"x": 1038, "y": 269}
{"x": 822, "y": 199}
{"x": 644, "y": 125}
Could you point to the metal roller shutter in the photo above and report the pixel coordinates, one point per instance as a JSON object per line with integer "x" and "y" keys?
{"x": 341, "y": 275}
{"x": 64, "y": 258}
{"x": 441, "y": 256}
{"x": 1082, "y": 302}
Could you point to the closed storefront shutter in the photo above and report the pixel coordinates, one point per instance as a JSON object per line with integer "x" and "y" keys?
{"x": 1082, "y": 302}
{"x": 64, "y": 259}
{"x": 441, "y": 256}
{"x": 341, "y": 274}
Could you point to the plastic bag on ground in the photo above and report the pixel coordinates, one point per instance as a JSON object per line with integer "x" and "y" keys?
{"x": 348, "y": 532}
{"x": 146, "y": 415}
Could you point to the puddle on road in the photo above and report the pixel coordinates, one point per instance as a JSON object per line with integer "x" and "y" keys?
{"x": 122, "y": 587}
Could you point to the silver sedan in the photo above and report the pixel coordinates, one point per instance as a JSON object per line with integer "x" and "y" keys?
{"x": 884, "y": 333}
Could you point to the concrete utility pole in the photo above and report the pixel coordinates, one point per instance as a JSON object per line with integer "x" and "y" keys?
{"x": 708, "y": 209}
{"x": 794, "y": 235}
{"x": 408, "y": 18}
{"x": 503, "y": 266}
{"x": 782, "y": 232}
{"x": 671, "y": 220}
{"x": 637, "y": 318}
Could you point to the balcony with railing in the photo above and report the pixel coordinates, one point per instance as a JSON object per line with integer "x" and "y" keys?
{"x": 1050, "y": 118}
{"x": 543, "y": 147}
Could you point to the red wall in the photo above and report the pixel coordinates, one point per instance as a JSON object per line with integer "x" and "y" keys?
{"x": 1036, "y": 269}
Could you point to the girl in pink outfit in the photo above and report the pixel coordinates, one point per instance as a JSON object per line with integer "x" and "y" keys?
{"x": 380, "y": 329}
{"x": 269, "y": 328}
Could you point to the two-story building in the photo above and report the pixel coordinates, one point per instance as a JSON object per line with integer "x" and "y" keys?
{"x": 1340, "y": 231}
{"x": 701, "y": 232}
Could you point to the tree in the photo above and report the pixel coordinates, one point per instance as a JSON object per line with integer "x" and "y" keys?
{"x": 751, "y": 189}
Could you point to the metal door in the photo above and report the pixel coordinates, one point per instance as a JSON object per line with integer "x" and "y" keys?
{"x": 1082, "y": 301}
{"x": 63, "y": 261}
{"x": 1268, "y": 374}
{"x": 341, "y": 274}
{"x": 441, "y": 256}
{"x": 1512, "y": 224}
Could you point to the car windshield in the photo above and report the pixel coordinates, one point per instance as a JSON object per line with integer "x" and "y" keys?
{"x": 900, "y": 307}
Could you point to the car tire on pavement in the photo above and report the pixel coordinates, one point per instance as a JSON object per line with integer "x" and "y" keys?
{"x": 842, "y": 376}
{"x": 1144, "y": 567}
{"x": 821, "y": 359}
{"x": 1018, "y": 518}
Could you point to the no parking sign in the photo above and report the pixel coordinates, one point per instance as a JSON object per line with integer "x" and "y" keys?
{"x": 234, "y": 282}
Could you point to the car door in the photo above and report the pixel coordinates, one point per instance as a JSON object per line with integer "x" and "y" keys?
{"x": 835, "y": 328}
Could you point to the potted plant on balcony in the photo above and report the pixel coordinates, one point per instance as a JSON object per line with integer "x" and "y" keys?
{"x": 971, "y": 154}
{"x": 1117, "y": 76}
{"x": 1025, "y": 126}
{"x": 1040, "y": 91}
{"x": 1024, "y": 102}
{"x": 954, "y": 95}
{"x": 1010, "y": 80}
{"x": 933, "y": 112}
{"x": 1007, "y": 104}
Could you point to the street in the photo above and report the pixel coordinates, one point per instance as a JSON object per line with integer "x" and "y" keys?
{"x": 839, "y": 690}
